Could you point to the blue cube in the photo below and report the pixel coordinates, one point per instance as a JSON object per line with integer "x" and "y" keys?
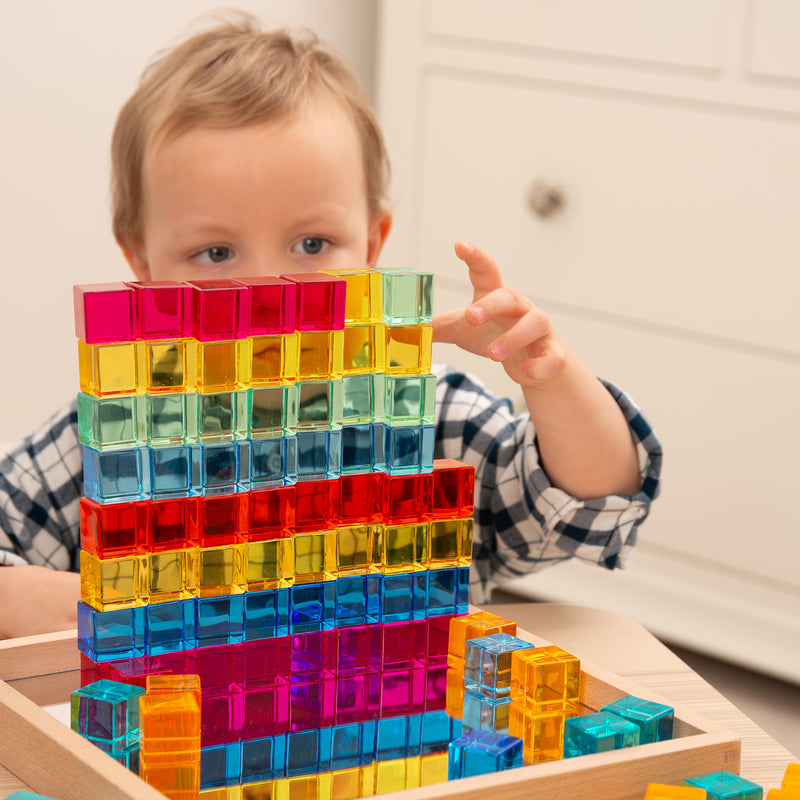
{"x": 403, "y": 596}
{"x": 266, "y": 614}
{"x": 487, "y": 664}
{"x": 312, "y": 607}
{"x": 481, "y": 753}
{"x": 263, "y": 759}
{"x": 171, "y": 627}
{"x": 220, "y": 620}
{"x": 111, "y": 635}
{"x": 485, "y": 713}
{"x": 116, "y": 476}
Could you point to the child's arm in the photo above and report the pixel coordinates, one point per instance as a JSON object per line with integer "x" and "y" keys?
{"x": 37, "y": 600}
{"x": 584, "y": 441}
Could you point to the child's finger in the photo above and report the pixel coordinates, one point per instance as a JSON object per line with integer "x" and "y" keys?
{"x": 448, "y": 325}
{"x": 530, "y": 329}
{"x": 484, "y": 273}
{"x": 502, "y": 302}
{"x": 545, "y": 366}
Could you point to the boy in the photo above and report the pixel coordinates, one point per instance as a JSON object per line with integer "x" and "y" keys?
{"x": 244, "y": 154}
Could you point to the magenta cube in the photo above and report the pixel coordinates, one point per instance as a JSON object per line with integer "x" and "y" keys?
{"x": 267, "y": 660}
{"x": 403, "y": 692}
{"x": 313, "y": 656}
{"x": 436, "y": 687}
{"x": 311, "y": 704}
{"x": 163, "y": 309}
{"x": 358, "y": 698}
{"x": 320, "y": 301}
{"x": 220, "y": 666}
{"x": 438, "y": 637}
{"x": 219, "y": 310}
{"x": 404, "y": 644}
{"x": 359, "y": 649}
{"x": 104, "y": 312}
{"x": 221, "y": 715}
{"x": 271, "y": 305}
{"x": 266, "y": 710}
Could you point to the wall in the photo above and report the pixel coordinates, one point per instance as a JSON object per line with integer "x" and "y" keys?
{"x": 65, "y": 70}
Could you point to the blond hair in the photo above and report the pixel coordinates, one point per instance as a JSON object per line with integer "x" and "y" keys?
{"x": 230, "y": 75}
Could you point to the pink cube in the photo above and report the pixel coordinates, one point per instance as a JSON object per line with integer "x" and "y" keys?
{"x": 104, "y": 312}
{"x": 320, "y": 301}
{"x": 163, "y": 309}
{"x": 271, "y": 305}
{"x": 219, "y": 310}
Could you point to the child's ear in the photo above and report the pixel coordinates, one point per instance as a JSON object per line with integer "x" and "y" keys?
{"x": 379, "y": 226}
{"x": 134, "y": 254}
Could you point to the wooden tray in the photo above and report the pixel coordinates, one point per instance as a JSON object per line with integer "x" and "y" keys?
{"x": 53, "y": 760}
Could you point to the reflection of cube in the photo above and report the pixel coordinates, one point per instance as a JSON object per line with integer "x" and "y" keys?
{"x": 724, "y": 785}
{"x": 487, "y": 663}
{"x": 663, "y": 791}
{"x": 597, "y": 733}
{"x": 545, "y": 679}
{"x": 107, "y": 713}
{"x": 483, "y": 752}
{"x": 654, "y": 719}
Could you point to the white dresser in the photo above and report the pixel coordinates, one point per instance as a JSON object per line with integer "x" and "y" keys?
{"x": 635, "y": 168}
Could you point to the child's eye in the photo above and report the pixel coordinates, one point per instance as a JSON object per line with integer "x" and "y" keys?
{"x": 213, "y": 255}
{"x": 311, "y": 246}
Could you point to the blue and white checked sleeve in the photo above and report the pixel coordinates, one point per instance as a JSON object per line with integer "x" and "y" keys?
{"x": 522, "y": 522}
{"x": 41, "y": 481}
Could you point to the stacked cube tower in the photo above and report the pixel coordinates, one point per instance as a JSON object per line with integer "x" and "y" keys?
{"x": 262, "y": 509}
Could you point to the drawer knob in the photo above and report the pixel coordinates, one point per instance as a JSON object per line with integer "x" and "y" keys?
{"x": 544, "y": 198}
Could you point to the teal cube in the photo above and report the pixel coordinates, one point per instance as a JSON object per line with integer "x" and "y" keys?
{"x": 107, "y": 714}
{"x": 407, "y": 296}
{"x": 410, "y": 399}
{"x": 319, "y": 405}
{"x": 598, "y": 733}
{"x": 362, "y": 398}
{"x": 221, "y": 416}
{"x": 111, "y": 423}
{"x": 655, "y": 720}
{"x": 725, "y": 785}
{"x": 171, "y": 419}
{"x": 271, "y": 411}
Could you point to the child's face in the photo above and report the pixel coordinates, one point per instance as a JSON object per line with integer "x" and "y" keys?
{"x": 282, "y": 196}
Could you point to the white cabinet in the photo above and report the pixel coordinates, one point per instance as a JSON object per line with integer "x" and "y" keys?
{"x": 672, "y": 132}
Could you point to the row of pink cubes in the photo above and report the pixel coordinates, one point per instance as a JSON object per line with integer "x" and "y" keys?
{"x": 227, "y": 309}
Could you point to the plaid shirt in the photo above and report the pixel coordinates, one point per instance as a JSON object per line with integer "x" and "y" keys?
{"x": 523, "y": 523}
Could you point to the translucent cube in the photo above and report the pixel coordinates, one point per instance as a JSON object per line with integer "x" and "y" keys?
{"x": 655, "y": 720}
{"x": 107, "y": 713}
{"x": 598, "y": 733}
{"x": 487, "y": 663}
{"x": 724, "y": 785}
{"x": 483, "y": 752}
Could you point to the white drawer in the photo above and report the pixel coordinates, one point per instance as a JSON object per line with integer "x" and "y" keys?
{"x": 673, "y": 214}
{"x": 680, "y": 32}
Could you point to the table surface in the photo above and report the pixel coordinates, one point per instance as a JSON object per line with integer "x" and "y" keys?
{"x": 624, "y": 647}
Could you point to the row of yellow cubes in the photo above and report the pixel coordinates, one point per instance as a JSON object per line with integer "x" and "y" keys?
{"x": 186, "y": 365}
{"x": 380, "y": 777}
{"x": 275, "y": 563}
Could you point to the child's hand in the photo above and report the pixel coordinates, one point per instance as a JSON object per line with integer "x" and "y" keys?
{"x": 501, "y": 324}
{"x": 36, "y": 599}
